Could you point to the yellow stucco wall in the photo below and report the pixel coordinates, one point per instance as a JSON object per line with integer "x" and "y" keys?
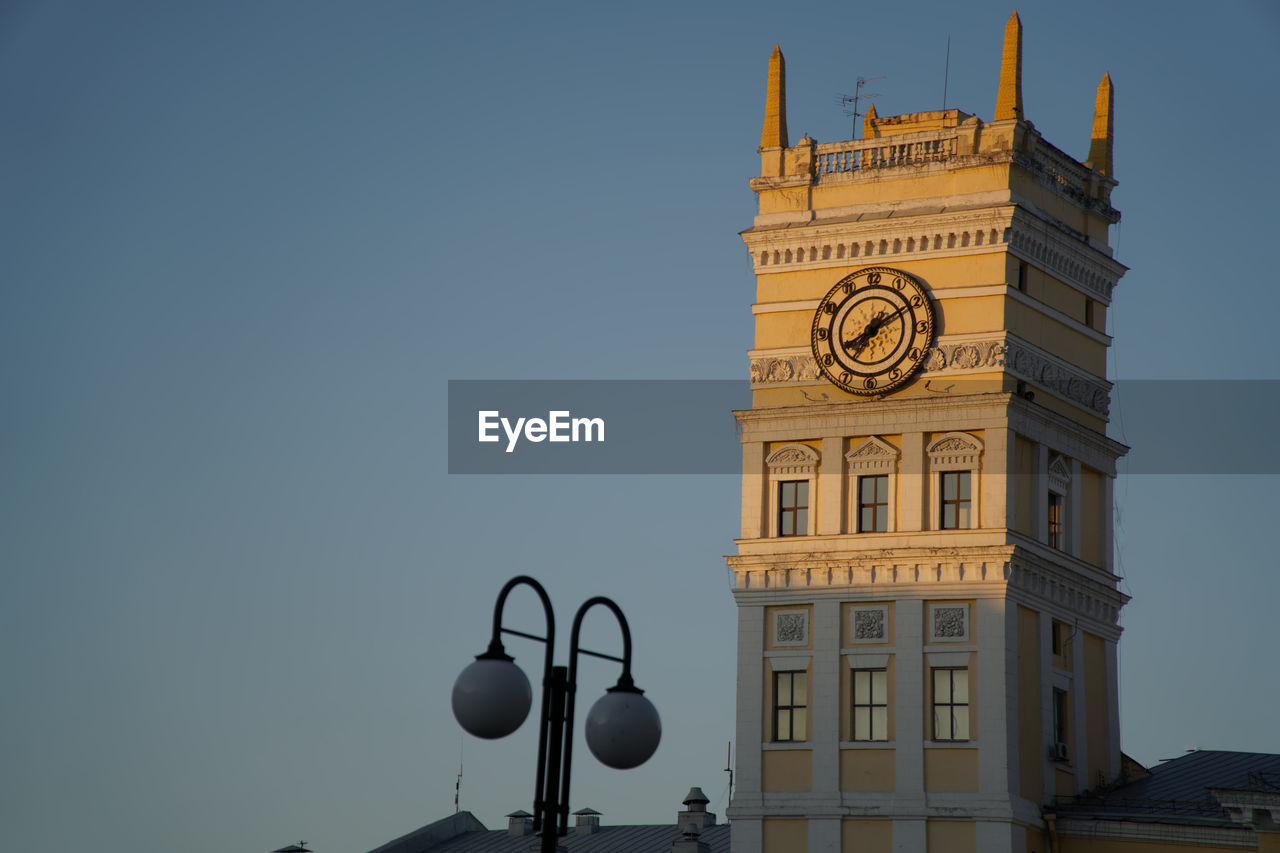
{"x": 1095, "y": 709}
{"x": 1030, "y": 748}
{"x": 786, "y": 770}
{"x": 1065, "y": 782}
{"x": 943, "y": 183}
{"x": 1024, "y": 465}
{"x": 950, "y": 770}
{"x": 866, "y": 836}
{"x": 784, "y": 836}
{"x": 1091, "y": 520}
{"x": 867, "y": 770}
{"x": 951, "y": 836}
{"x": 1028, "y": 323}
{"x": 1268, "y": 842}
{"x": 936, "y": 273}
{"x": 783, "y": 329}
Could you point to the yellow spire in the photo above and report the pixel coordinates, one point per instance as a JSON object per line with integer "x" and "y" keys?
{"x": 774, "y": 134}
{"x": 1009, "y": 96}
{"x": 1104, "y": 128}
{"x": 869, "y": 123}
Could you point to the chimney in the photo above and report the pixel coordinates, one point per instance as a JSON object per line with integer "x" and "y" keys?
{"x": 695, "y": 815}
{"x": 587, "y": 821}
{"x": 519, "y": 823}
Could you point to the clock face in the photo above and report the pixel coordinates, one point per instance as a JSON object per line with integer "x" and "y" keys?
{"x": 873, "y": 330}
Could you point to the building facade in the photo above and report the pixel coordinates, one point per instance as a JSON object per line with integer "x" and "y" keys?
{"x": 927, "y": 606}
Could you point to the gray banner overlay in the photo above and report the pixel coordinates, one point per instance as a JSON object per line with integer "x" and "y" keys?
{"x": 687, "y": 426}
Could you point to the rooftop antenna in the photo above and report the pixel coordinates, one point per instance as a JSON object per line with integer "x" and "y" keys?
{"x": 847, "y": 100}
{"x": 946, "y": 73}
{"x": 728, "y": 768}
{"x": 457, "y": 785}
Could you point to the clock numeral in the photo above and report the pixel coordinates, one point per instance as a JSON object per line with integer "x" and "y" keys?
{"x": 873, "y": 278}
{"x": 830, "y": 308}
{"x": 913, "y": 353}
{"x": 921, "y": 327}
{"x": 823, "y": 334}
{"x": 846, "y": 377}
{"x": 916, "y": 301}
{"x": 869, "y": 382}
{"x": 828, "y": 360}
{"x": 847, "y": 287}
{"x": 895, "y": 374}
{"x": 899, "y": 283}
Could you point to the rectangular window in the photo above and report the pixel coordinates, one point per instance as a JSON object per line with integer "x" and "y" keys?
{"x": 870, "y": 704}
{"x": 793, "y": 507}
{"x": 790, "y": 706}
{"x": 873, "y": 504}
{"x": 951, "y": 704}
{"x": 956, "y": 500}
{"x": 1061, "y": 733}
{"x": 1055, "y": 520}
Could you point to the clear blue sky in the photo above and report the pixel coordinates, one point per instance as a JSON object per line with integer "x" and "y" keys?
{"x": 244, "y": 245}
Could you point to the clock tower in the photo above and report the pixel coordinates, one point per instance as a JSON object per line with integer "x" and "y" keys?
{"x": 927, "y": 607}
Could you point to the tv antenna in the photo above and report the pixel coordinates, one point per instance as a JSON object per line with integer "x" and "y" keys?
{"x": 852, "y": 100}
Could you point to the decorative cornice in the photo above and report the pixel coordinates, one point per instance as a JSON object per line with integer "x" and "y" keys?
{"x": 1085, "y": 591}
{"x": 1007, "y": 353}
{"x": 1065, "y": 252}
{"x": 874, "y": 235}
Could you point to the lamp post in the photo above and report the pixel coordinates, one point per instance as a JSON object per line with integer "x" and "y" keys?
{"x": 492, "y": 697}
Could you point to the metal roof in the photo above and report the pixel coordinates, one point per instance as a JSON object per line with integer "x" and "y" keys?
{"x": 1177, "y": 790}
{"x": 607, "y": 839}
{"x": 462, "y": 833}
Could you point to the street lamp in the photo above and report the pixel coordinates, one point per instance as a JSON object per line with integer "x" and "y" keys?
{"x": 491, "y": 698}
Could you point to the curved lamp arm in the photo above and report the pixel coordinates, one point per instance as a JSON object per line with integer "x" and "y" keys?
{"x": 496, "y": 650}
{"x": 624, "y": 682}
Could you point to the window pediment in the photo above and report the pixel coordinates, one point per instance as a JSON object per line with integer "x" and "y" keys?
{"x": 792, "y": 459}
{"x": 955, "y": 449}
{"x": 872, "y": 456}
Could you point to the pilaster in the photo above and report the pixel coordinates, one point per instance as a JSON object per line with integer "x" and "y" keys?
{"x": 750, "y": 721}
{"x": 908, "y": 704}
{"x": 831, "y": 487}
{"x": 912, "y": 483}
{"x": 753, "y": 497}
{"x": 825, "y": 713}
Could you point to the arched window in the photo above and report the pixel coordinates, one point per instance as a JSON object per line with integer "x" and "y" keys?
{"x": 955, "y": 462}
{"x": 793, "y": 490}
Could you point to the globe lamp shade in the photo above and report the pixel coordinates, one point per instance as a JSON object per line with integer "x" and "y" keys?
{"x": 491, "y": 697}
{"x": 623, "y": 728}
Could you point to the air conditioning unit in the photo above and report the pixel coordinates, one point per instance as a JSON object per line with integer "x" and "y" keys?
{"x": 1061, "y": 752}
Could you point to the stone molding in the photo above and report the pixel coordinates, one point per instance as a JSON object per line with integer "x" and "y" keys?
{"x": 1046, "y": 243}
{"x": 1008, "y": 353}
{"x": 954, "y": 451}
{"x": 824, "y": 245}
{"x": 872, "y": 456}
{"x": 1053, "y": 247}
{"x": 792, "y": 459}
{"x": 1063, "y": 588}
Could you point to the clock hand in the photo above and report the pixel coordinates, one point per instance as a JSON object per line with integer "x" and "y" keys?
{"x": 873, "y": 328}
{"x": 859, "y": 340}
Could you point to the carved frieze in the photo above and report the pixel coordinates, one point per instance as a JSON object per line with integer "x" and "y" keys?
{"x": 1018, "y": 359}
